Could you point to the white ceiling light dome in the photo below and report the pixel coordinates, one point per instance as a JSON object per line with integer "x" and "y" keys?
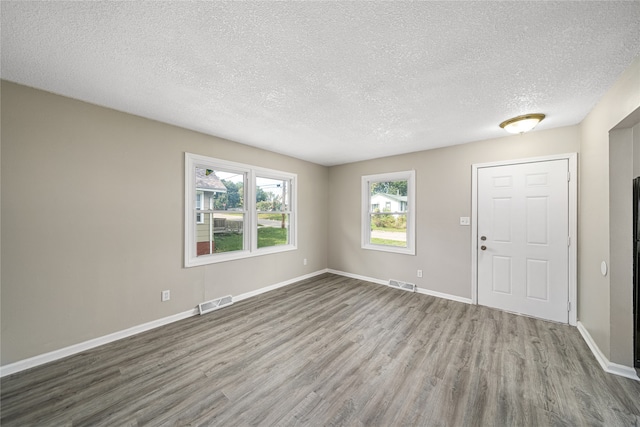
{"x": 522, "y": 124}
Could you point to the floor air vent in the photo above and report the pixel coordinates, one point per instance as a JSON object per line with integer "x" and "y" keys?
{"x": 215, "y": 304}
{"x": 402, "y": 285}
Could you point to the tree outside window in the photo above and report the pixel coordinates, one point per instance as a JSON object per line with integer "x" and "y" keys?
{"x": 391, "y": 228}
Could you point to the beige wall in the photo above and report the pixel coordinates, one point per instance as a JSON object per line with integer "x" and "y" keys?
{"x": 621, "y": 154}
{"x": 624, "y": 165}
{"x": 443, "y": 188}
{"x": 595, "y": 308}
{"x": 92, "y": 219}
{"x": 92, "y": 222}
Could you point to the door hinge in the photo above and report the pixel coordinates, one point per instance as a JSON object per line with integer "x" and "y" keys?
{"x": 568, "y": 176}
{"x": 568, "y": 305}
{"x": 568, "y": 240}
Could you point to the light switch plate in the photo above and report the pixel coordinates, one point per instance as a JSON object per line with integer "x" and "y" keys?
{"x": 465, "y": 220}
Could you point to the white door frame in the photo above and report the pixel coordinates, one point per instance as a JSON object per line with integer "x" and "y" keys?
{"x": 573, "y": 224}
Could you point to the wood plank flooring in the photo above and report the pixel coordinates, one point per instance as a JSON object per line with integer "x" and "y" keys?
{"x": 331, "y": 351}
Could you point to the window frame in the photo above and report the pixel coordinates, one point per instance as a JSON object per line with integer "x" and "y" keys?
{"x": 250, "y": 224}
{"x": 367, "y": 180}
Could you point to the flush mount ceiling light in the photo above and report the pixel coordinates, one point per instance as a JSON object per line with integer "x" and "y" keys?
{"x": 522, "y": 124}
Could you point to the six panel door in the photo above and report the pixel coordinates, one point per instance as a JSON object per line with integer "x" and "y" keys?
{"x": 523, "y": 229}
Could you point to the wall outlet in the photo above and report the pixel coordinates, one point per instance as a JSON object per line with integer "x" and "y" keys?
{"x": 304, "y": 261}
{"x": 419, "y": 273}
{"x": 166, "y": 295}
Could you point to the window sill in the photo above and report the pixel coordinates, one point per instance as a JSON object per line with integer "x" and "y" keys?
{"x": 394, "y": 249}
{"x": 232, "y": 256}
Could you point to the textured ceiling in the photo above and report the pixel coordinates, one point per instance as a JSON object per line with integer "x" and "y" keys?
{"x": 329, "y": 82}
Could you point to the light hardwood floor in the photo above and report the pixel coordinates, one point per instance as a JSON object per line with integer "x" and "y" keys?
{"x": 331, "y": 351}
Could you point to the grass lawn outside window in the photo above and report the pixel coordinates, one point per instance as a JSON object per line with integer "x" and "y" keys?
{"x": 267, "y": 236}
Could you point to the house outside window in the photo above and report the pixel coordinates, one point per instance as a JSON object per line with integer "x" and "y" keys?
{"x": 233, "y": 210}
{"x": 219, "y": 207}
{"x": 391, "y": 229}
{"x": 199, "y": 206}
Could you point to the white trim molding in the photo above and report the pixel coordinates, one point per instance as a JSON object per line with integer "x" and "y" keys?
{"x": 572, "y": 158}
{"x": 443, "y": 295}
{"x": 250, "y": 294}
{"x": 607, "y": 366}
{"x": 386, "y": 283}
{"x": 358, "y": 276}
{"x": 41, "y": 359}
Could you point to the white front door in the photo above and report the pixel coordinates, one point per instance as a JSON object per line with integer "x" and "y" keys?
{"x": 523, "y": 231}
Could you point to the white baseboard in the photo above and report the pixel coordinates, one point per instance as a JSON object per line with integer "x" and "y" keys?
{"x": 443, "y": 295}
{"x": 418, "y": 290}
{"x": 41, "y": 359}
{"x": 277, "y": 285}
{"x": 32, "y": 362}
{"x": 357, "y": 276}
{"x": 607, "y": 366}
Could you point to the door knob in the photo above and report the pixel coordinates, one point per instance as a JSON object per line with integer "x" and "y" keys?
{"x": 483, "y": 247}
{"x": 483, "y": 238}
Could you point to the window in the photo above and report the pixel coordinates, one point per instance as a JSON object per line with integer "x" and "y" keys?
{"x": 273, "y": 208}
{"x": 391, "y": 229}
{"x": 199, "y": 207}
{"x": 234, "y": 210}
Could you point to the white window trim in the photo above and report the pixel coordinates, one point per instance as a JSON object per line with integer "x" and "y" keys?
{"x": 410, "y": 177}
{"x": 250, "y": 232}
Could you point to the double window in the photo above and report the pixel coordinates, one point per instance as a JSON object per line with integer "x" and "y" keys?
{"x": 234, "y": 210}
{"x": 388, "y": 212}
